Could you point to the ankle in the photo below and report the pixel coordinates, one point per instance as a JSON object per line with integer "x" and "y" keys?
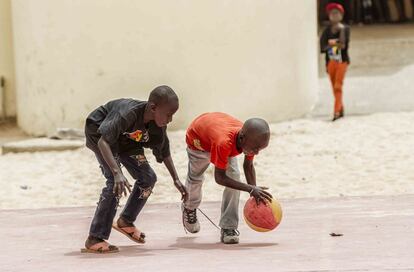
{"x": 123, "y": 223}
{"x": 91, "y": 240}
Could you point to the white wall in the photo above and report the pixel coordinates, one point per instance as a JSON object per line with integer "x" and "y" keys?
{"x": 6, "y": 60}
{"x": 245, "y": 57}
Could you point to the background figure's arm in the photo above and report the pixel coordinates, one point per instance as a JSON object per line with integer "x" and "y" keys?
{"x": 342, "y": 38}
{"x": 324, "y": 46}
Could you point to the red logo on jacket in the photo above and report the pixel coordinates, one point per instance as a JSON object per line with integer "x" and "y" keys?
{"x": 137, "y": 136}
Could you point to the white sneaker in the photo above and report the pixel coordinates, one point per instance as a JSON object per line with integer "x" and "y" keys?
{"x": 229, "y": 236}
{"x": 190, "y": 221}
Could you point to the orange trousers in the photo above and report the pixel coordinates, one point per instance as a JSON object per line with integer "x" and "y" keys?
{"x": 336, "y": 71}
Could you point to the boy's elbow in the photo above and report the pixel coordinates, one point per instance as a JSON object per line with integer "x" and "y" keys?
{"x": 100, "y": 141}
{"x": 220, "y": 182}
{"x": 324, "y": 48}
{"x": 248, "y": 163}
{"x": 219, "y": 177}
{"x": 102, "y": 144}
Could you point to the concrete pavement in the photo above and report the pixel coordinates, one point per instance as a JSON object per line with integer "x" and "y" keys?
{"x": 378, "y": 235}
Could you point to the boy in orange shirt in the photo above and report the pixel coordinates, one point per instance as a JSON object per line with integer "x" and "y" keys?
{"x": 218, "y": 138}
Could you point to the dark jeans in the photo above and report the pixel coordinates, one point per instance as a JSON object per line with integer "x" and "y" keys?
{"x": 145, "y": 179}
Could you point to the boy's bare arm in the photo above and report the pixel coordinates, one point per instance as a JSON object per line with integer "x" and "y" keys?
{"x": 257, "y": 192}
{"x": 249, "y": 171}
{"x": 177, "y": 183}
{"x": 121, "y": 183}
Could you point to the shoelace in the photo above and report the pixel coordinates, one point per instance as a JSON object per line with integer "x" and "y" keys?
{"x": 190, "y": 216}
{"x": 195, "y": 216}
{"x": 211, "y": 221}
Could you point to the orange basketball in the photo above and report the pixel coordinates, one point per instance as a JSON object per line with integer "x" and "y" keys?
{"x": 262, "y": 217}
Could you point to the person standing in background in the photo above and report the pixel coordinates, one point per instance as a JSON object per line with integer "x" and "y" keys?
{"x": 334, "y": 43}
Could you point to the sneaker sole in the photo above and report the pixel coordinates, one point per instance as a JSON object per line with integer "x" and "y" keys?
{"x": 231, "y": 242}
{"x": 196, "y": 231}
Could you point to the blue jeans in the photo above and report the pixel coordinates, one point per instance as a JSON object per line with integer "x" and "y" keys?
{"x": 145, "y": 179}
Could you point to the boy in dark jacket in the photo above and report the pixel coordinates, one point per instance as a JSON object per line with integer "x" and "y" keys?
{"x": 117, "y": 133}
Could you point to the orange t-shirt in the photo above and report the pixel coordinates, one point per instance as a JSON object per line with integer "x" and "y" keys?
{"x": 216, "y": 133}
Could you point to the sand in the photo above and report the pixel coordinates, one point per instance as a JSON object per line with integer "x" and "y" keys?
{"x": 371, "y": 90}
{"x": 356, "y": 156}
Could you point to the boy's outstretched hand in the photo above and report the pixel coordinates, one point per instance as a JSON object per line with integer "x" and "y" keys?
{"x": 182, "y": 189}
{"x": 121, "y": 185}
{"x": 261, "y": 195}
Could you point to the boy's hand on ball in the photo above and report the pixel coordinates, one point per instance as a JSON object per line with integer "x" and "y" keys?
{"x": 182, "y": 189}
{"x": 261, "y": 195}
{"x": 121, "y": 185}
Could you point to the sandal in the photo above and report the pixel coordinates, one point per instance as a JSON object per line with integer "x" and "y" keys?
{"x": 100, "y": 248}
{"x": 131, "y": 232}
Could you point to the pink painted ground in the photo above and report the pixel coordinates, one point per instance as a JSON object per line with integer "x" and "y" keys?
{"x": 378, "y": 235}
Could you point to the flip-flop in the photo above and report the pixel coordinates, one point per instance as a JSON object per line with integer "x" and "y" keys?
{"x": 132, "y": 233}
{"x": 100, "y": 248}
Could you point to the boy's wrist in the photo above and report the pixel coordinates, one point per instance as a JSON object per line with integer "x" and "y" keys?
{"x": 116, "y": 172}
{"x": 252, "y": 183}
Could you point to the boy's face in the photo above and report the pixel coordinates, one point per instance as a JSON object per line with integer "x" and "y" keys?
{"x": 163, "y": 113}
{"x": 335, "y": 16}
{"x": 252, "y": 147}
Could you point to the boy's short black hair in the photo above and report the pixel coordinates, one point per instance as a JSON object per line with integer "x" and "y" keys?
{"x": 163, "y": 95}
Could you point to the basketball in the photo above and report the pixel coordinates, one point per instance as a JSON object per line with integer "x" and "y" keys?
{"x": 262, "y": 217}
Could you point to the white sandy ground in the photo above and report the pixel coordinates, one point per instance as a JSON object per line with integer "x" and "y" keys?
{"x": 373, "y": 89}
{"x": 359, "y": 155}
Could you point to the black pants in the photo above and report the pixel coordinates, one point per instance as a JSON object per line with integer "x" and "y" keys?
{"x": 145, "y": 179}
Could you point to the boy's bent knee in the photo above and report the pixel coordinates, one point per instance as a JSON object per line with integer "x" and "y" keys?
{"x": 152, "y": 178}
{"x": 148, "y": 179}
